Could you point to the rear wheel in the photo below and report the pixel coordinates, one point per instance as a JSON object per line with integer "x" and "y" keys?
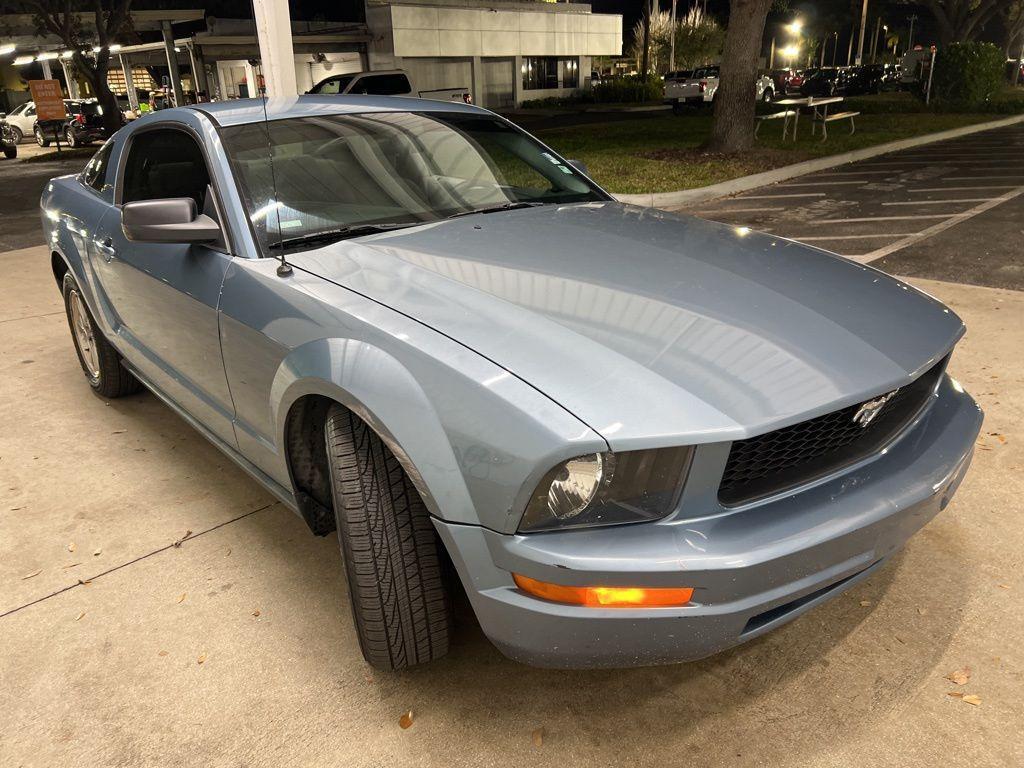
{"x": 767, "y": 95}
{"x": 11, "y": 152}
{"x": 391, "y": 552}
{"x": 41, "y": 139}
{"x": 71, "y": 139}
{"x": 18, "y": 135}
{"x": 100, "y": 361}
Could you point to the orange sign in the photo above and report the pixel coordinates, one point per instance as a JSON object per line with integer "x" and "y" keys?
{"x": 49, "y": 100}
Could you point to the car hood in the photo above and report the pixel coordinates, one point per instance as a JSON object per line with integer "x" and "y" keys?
{"x": 650, "y": 327}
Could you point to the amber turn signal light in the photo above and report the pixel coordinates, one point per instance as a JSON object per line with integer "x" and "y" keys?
{"x": 605, "y": 597}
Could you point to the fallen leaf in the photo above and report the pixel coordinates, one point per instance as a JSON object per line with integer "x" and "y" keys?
{"x": 179, "y": 542}
{"x": 162, "y": 653}
{"x": 97, "y": 553}
{"x": 72, "y": 565}
{"x": 971, "y": 698}
{"x": 85, "y": 581}
{"x": 960, "y": 676}
{"x": 865, "y": 603}
{"x": 256, "y": 613}
{"x": 15, "y": 509}
{"x": 1003, "y": 586}
{"x": 228, "y": 553}
{"x": 181, "y": 599}
{"x": 71, "y": 546}
{"x": 955, "y": 694}
{"x": 922, "y": 611}
{"x": 80, "y": 616}
{"x": 900, "y": 639}
{"x": 30, "y": 575}
{"x": 538, "y": 737}
{"x": 202, "y": 658}
{"x": 119, "y": 431}
{"x": 405, "y": 721}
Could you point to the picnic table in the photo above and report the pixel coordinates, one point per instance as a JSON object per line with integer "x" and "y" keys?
{"x": 819, "y": 106}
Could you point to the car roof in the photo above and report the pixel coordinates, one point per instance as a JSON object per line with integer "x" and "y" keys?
{"x": 243, "y": 111}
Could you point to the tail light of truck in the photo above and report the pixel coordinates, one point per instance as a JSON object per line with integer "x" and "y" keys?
{"x": 80, "y": 119}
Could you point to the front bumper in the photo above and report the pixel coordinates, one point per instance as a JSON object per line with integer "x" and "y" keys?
{"x": 753, "y": 569}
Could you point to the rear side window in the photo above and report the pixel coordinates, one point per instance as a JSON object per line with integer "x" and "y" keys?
{"x": 383, "y": 85}
{"x": 165, "y": 163}
{"x": 95, "y": 173}
{"x": 332, "y": 86}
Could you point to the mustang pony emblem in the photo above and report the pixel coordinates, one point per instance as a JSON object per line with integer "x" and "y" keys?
{"x": 869, "y": 410}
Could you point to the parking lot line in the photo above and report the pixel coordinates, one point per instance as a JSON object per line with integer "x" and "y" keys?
{"x": 884, "y": 218}
{"x": 942, "y": 202}
{"x": 956, "y": 189}
{"x": 985, "y": 178}
{"x": 821, "y": 183}
{"x": 771, "y": 197}
{"x": 850, "y": 173}
{"x": 935, "y": 229}
{"x": 849, "y": 237}
{"x": 734, "y": 210}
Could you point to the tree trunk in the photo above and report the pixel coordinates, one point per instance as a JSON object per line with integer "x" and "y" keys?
{"x": 96, "y": 74}
{"x": 732, "y": 129}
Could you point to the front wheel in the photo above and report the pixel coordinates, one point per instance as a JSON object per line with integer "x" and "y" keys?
{"x": 11, "y": 152}
{"x": 391, "y": 552}
{"x": 18, "y": 135}
{"x": 100, "y": 361}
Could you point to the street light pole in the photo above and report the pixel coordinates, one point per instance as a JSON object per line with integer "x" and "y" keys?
{"x": 771, "y": 55}
{"x": 910, "y": 37}
{"x": 863, "y": 26}
{"x": 672, "y": 44}
{"x": 874, "y": 39}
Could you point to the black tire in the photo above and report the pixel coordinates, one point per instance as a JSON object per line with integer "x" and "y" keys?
{"x": 41, "y": 139}
{"x": 391, "y": 551}
{"x": 69, "y": 135}
{"x": 109, "y": 379}
{"x": 11, "y": 152}
{"x": 767, "y": 95}
{"x": 18, "y": 135}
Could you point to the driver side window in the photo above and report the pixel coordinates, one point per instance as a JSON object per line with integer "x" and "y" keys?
{"x": 165, "y": 163}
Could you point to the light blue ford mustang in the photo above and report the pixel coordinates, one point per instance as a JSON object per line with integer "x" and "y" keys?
{"x": 631, "y": 437}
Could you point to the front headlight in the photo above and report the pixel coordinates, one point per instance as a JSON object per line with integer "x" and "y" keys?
{"x": 608, "y": 489}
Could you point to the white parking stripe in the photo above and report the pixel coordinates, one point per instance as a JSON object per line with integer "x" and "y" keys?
{"x": 1006, "y": 176}
{"x": 735, "y": 210}
{"x": 771, "y": 197}
{"x": 956, "y": 189}
{"x": 942, "y": 202}
{"x": 821, "y": 183}
{"x": 935, "y": 229}
{"x": 884, "y": 218}
{"x": 847, "y": 237}
{"x": 850, "y": 173}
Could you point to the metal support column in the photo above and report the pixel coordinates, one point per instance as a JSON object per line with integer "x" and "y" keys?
{"x": 172, "y": 63}
{"x": 69, "y": 79}
{"x": 129, "y": 83}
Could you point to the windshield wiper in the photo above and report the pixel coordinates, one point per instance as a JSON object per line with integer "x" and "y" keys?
{"x": 334, "y": 235}
{"x": 496, "y": 208}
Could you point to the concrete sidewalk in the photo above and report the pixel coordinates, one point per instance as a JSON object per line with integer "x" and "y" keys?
{"x": 236, "y": 647}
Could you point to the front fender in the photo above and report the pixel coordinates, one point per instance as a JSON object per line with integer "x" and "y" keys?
{"x": 383, "y": 393}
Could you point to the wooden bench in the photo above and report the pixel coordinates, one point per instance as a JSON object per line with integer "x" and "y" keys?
{"x": 785, "y": 114}
{"x": 827, "y": 118}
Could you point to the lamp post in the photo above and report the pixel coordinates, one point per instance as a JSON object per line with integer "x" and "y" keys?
{"x": 863, "y": 26}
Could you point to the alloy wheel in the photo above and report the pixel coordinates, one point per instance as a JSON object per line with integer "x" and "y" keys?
{"x": 84, "y": 339}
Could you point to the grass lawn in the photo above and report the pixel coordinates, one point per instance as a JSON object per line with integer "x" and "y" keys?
{"x": 660, "y": 154}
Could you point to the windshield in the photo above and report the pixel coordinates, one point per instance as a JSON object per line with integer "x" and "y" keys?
{"x": 342, "y": 174}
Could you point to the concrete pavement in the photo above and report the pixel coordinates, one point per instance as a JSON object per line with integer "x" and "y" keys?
{"x": 236, "y": 648}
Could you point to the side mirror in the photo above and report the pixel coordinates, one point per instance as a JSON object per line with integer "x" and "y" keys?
{"x": 171, "y": 220}
{"x": 580, "y": 166}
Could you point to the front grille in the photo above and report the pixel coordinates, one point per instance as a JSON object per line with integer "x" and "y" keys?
{"x": 791, "y": 456}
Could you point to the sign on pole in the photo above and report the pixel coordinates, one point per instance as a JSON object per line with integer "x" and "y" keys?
{"x": 49, "y": 100}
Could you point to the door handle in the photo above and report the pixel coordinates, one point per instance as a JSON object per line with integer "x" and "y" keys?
{"x": 105, "y": 245}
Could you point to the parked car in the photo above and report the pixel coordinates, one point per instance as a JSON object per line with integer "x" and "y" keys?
{"x": 825, "y": 81}
{"x": 394, "y": 82}
{"x": 786, "y": 81}
{"x": 868, "y": 78}
{"x": 701, "y": 87}
{"x": 637, "y": 437}
{"x": 8, "y": 139}
{"x": 22, "y": 120}
{"x": 84, "y": 124}
{"x": 677, "y": 75}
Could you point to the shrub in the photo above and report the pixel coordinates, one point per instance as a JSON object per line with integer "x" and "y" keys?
{"x": 632, "y": 89}
{"x": 968, "y": 73}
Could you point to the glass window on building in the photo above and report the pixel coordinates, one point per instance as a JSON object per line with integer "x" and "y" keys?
{"x": 548, "y": 72}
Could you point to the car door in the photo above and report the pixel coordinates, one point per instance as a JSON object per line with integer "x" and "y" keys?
{"x": 165, "y": 295}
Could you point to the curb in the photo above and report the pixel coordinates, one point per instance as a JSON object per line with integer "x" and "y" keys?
{"x": 685, "y": 197}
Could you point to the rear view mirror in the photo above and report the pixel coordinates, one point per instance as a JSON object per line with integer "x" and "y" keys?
{"x": 580, "y": 166}
{"x": 172, "y": 220}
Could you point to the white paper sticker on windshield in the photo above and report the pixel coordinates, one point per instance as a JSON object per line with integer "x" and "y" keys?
{"x": 291, "y": 224}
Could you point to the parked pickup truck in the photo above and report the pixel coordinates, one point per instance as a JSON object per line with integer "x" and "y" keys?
{"x": 702, "y": 86}
{"x": 392, "y": 82}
